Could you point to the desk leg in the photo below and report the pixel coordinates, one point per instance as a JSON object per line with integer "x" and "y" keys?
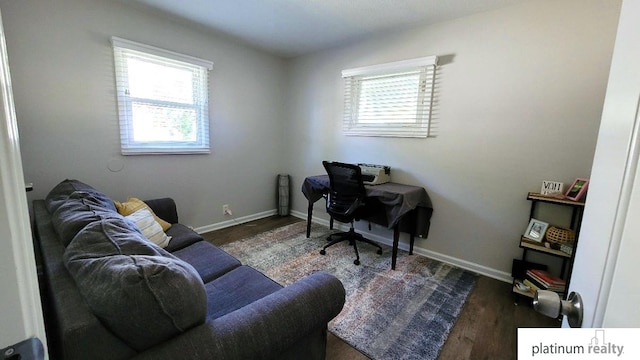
{"x": 396, "y": 239}
{"x": 309, "y": 214}
{"x": 412, "y": 237}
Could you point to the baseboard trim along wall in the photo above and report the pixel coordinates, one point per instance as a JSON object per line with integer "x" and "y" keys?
{"x": 235, "y": 221}
{"x": 477, "y": 268}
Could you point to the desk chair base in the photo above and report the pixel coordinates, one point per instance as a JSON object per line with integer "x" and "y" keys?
{"x": 353, "y": 238}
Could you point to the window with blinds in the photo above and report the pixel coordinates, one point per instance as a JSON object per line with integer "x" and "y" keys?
{"x": 162, "y": 100}
{"x": 393, "y": 99}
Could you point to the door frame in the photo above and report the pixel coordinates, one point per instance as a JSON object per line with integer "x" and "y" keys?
{"x": 21, "y": 285}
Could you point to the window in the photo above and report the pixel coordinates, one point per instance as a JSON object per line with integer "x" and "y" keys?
{"x": 393, "y": 99}
{"x": 162, "y": 100}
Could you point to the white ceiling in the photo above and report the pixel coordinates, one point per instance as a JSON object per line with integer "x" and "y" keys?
{"x": 296, "y": 27}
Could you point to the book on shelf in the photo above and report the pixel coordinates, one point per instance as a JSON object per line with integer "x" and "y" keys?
{"x": 546, "y": 277}
{"x": 545, "y": 281}
{"x": 528, "y": 283}
{"x": 567, "y": 249}
{"x": 535, "y": 284}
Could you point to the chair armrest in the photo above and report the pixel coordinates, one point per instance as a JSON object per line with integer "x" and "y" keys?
{"x": 164, "y": 208}
{"x": 263, "y": 329}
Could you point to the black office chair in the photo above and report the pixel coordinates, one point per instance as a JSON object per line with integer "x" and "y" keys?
{"x": 346, "y": 202}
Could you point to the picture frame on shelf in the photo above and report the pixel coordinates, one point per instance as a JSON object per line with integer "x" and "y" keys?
{"x": 536, "y": 230}
{"x": 552, "y": 188}
{"x": 577, "y": 190}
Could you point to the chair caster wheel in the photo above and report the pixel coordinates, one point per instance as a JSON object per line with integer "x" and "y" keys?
{"x": 379, "y": 251}
{"x": 356, "y": 262}
{"x": 322, "y": 252}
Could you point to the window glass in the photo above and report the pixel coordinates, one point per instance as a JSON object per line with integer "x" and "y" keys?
{"x": 394, "y": 99}
{"x": 162, "y": 101}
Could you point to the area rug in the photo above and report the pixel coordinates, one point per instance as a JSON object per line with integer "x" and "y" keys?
{"x": 402, "y": 314}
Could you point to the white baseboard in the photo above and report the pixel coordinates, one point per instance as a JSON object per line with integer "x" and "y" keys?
{"x": 464, "y": 264}
{"x": 467, "y": 265}
{"x": 235, "y": 221}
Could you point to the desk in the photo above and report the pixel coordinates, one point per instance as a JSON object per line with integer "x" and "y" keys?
{"x": 407, "y": 208}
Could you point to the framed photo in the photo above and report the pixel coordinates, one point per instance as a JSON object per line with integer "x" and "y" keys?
{"x": 577, "y": 189}
{"x": 536, "y": 230}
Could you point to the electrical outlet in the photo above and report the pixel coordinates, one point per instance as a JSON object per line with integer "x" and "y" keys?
{"x": 226, "y": 210}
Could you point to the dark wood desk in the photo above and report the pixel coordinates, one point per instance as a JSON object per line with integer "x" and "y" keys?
{"x": 404, "y": 208}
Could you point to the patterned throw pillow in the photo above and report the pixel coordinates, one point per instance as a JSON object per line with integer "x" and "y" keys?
{"x": 134, "y": 204}
{"x": 149, "y": 227}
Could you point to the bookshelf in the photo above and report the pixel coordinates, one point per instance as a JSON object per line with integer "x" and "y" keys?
{"x": 577, "y": 208}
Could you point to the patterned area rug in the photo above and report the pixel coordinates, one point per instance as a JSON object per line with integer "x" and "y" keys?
{"x": 402, "y": 314}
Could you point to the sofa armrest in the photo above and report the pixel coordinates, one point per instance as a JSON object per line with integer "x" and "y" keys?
{"x": 263, "y": 329}
{"x": 164, "y": 208}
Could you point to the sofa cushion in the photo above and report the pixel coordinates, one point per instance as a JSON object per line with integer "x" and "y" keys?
{"x": 61, "y": 192}
{"x": 164, "y": 208}
{"x": 181, "y": 237}
{"x": 149, "y": 227}
{"x": 141, "y": 293}
{"x": 237, "y": 288}
{"x": 209, "y": 261}
{"x": 134, "y": 204}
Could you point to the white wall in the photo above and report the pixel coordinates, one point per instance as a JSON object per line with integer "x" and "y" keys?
{"x": 62, "y": 66}
{"x": 521, "y": 94}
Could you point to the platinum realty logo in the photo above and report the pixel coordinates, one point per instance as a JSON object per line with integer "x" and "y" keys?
{"x": 566, "y": 343}
{"x": 596, "y": 346}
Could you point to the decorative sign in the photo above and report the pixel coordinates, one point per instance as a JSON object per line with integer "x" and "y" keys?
{"x": 550, "y": 187}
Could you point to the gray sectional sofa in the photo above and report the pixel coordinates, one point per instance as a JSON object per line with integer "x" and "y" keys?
{"x": 110, "y": 293}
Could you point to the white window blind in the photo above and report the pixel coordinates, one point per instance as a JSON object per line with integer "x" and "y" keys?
{"x": 162, "y": 100}
{"x": 393, "y": 99}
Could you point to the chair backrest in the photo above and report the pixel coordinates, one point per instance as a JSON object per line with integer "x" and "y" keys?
{"x": 346, "y": 193}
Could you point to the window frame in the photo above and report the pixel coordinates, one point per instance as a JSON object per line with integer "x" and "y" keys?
{"x": 420, "y": 127}
{"x": 126, "y": 49}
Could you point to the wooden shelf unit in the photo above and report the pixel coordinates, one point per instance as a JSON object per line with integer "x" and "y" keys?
{"x": 541, "y": 248}
{"x": 553, "y": 200}
{"x": 527, "y": 245}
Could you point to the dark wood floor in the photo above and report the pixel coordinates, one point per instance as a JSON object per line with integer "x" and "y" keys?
{"x": 486, "y": 328}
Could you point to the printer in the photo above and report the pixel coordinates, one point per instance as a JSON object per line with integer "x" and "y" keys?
{"x": 375, "y": 174}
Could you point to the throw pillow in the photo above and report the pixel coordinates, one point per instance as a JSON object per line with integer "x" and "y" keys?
{"x": 61, "y": 192}
{"x": 114, "y": 236}
{"x": 142, "y": 296}
{"x": 75, "y": 213}
{"x": 149, "y": 227}
{"x": 134, "y": 204}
